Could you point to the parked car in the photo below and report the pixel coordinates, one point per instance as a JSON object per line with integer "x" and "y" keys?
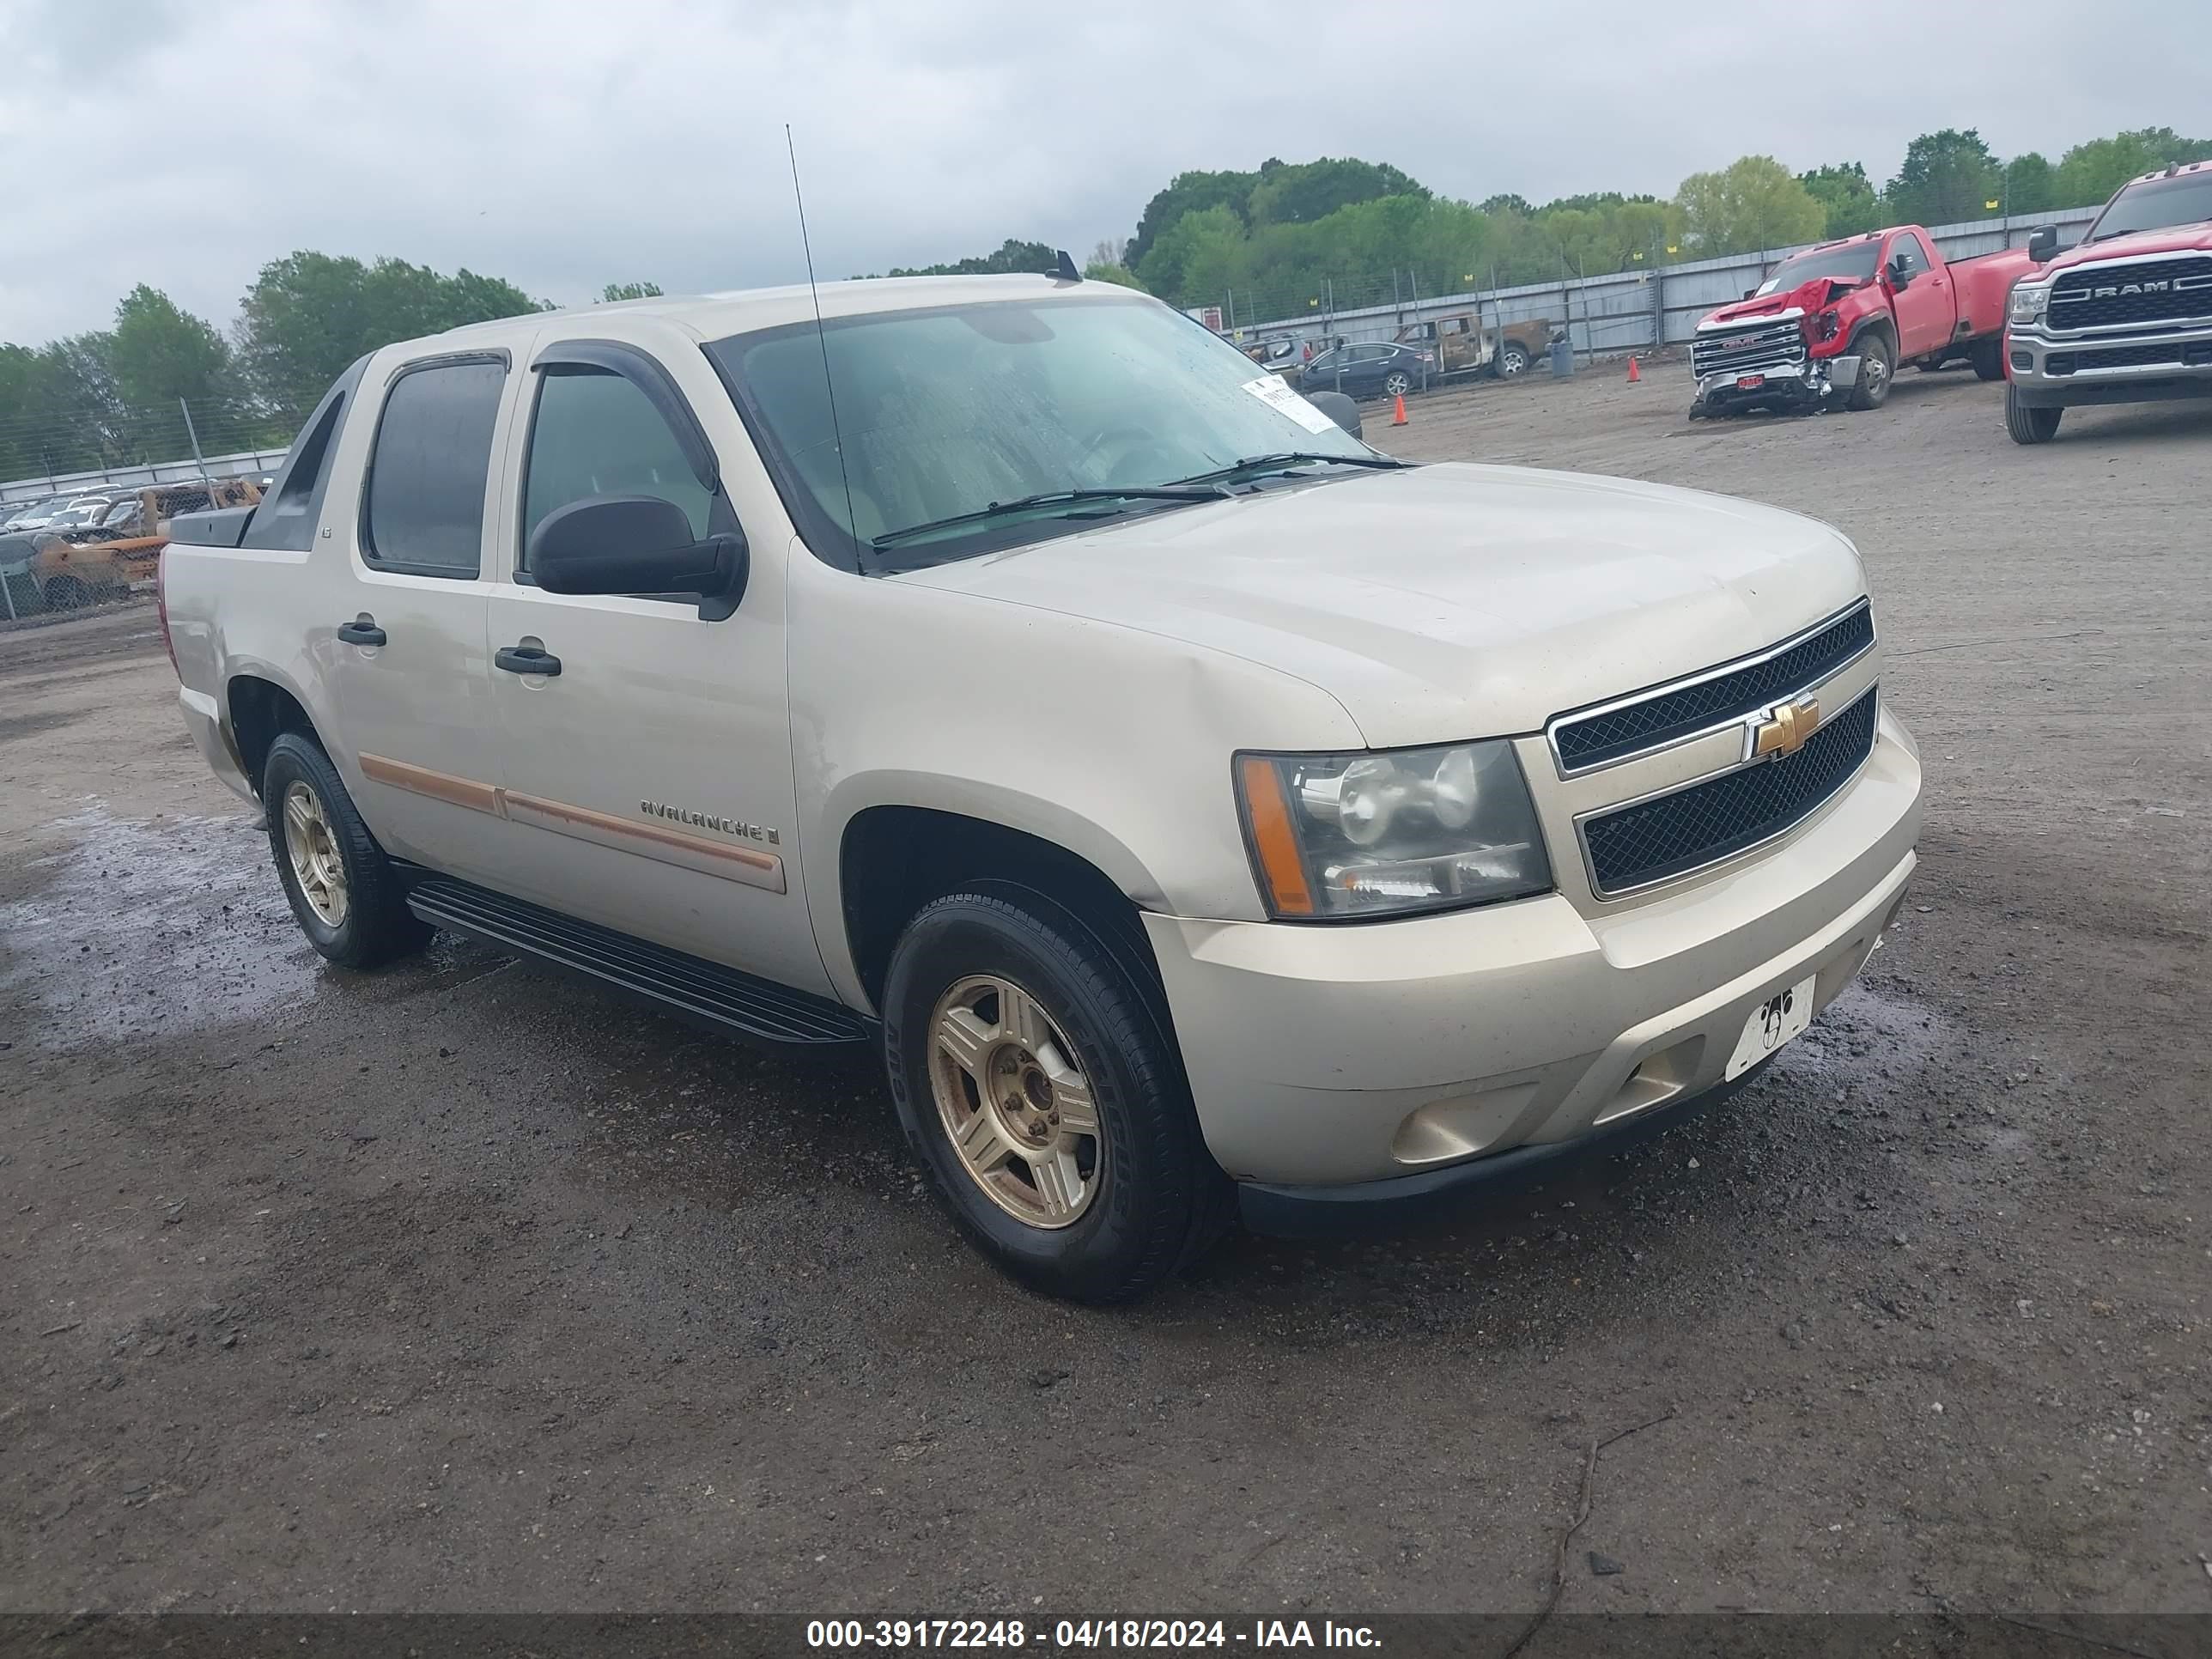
{"x": 1279, "y": 354}
{"x": 1381, "y": 369}
{"x": 107, "y": 545}
{"x": 2125, "y": 317}
{"x": 1465, "y": 344}
{"x": 1200, "y": 808}
{"x": 1836, "y": 320}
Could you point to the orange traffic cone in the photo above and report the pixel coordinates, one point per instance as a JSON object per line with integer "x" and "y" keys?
{"x": 1633, "y": 377}
{"x": 1399, "y": 419}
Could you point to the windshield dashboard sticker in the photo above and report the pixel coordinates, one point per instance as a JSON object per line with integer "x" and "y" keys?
{"x": 1274, "y": 391}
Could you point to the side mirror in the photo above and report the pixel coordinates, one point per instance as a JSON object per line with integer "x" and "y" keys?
{"x": 1339, "y": 408}
{"x": 1899, "y": 277}
{"x": 2043, "y": 244}
{"x": 636, "y": 544}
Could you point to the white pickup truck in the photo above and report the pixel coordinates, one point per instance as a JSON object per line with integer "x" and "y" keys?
{"x": 1203, "y": 811}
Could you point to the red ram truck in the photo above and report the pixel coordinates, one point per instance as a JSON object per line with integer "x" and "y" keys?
{"x": 2125, "y": 317}
{"x": 1835, "y": 322}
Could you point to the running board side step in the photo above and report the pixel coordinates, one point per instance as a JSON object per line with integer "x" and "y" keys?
{"x": 704, "y": 992}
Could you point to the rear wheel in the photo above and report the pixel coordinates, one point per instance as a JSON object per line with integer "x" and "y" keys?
{"x": 1037, "y": 1083}
{"x": 1875, "y": 362}
{"x": 1987, "y": 357}
{"x": 1513, "y": 360}
{"x": 344, "y": 893}
{"x": 2028, "y": 425}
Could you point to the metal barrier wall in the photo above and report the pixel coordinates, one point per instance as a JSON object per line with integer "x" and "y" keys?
{"x": 1639, "y": 310}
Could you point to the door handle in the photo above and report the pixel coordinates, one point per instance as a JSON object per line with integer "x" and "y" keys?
{"x": 362, "y": 630}
{"x": 526, "y": 659}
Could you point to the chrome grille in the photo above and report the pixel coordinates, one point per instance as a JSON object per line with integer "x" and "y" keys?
{"x": 1667, "y": 714}
{"x": 1751, "y": 350}
{"x": 2164, "y": 290}
{"x": 1671, "y": 835}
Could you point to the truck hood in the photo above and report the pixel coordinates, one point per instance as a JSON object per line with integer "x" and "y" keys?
{"x": 1450, "y": 601}
{"x": 2174, "y": 239}
{"x": 1815, "y": 295}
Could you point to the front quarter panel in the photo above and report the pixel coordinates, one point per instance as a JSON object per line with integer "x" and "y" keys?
{"x": 1112, "y": 742}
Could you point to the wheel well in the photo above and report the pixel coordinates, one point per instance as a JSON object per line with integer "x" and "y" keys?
{"x": 895, "y": 860}
{"x": 260, "y": 712}
{"x": 1878, "y": 325}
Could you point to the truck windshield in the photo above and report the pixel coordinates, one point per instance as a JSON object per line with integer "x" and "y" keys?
{"x": 1854, "y": 264}
{"x": 2155, "y": 204}
{"x": 949, "y": 412}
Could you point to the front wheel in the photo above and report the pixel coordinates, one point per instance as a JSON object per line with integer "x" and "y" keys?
{"x": 1038, "y": 1085}
{"x": 1875, "y": 362}
{"x": 2029, "y": 425}
{"x": 1987, "y": 357}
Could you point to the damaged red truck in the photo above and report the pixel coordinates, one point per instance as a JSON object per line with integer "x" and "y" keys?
{"x": 1832, "y": 325}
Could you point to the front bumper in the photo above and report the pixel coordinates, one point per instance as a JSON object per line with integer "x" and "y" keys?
{"x": 1812, "y": 381}
{"x": 2111, "y": 365}
{"x": 1326, "y": 1056}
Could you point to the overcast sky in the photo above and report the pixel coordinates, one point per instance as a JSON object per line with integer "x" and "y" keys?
{"x": 566, "y": 143}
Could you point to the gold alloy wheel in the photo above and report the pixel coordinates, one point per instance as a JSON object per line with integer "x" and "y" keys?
{"x": 1016, "y": 1110}
{"x": 316, "y": 864}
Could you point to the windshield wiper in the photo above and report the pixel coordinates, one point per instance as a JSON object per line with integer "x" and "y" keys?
{"x": 1289, "y": 458}
{"x": 1051, "y": 498}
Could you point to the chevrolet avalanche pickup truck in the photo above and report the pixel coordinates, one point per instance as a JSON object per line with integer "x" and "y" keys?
{"x": 1836, "y": 320}
{"x": 2124, "y": 318}
{"x": 1198, "y": 808}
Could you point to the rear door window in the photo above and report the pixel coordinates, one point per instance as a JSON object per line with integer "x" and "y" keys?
{"x": 422, "y": 511}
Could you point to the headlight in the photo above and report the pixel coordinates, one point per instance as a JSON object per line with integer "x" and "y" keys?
{"x": 1380, "y": 835}
{"x": 2029, "y": 302}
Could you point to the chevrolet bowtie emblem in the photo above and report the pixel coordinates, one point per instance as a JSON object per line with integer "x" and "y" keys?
{"x": 1783, "y": 731}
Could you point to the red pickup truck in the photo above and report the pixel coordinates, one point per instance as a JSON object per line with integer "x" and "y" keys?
{"x": 2126, "y": 317}
{"x": 1836, "y": 320}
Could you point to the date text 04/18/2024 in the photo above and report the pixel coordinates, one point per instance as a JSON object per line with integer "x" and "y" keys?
{"x": 1084, "y": 1634}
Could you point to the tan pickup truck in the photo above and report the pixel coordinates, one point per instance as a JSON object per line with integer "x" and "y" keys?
{"x": 1465, "y": 344}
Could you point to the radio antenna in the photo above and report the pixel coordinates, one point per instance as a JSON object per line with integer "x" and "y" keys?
{"x": 822, "y": 338}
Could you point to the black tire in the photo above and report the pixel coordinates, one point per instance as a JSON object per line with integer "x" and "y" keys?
{"x": 376, "y": 926}
{"x": 1397, "y": 383}
{"x": 1987, "y": 357}
{"x": 1512, "y": 361}
{"x": 66, "y": 594}
{"x": 1876, "y": 365}
{"x": 2027, "y": 425}
{"x": 1159, "y": 1199}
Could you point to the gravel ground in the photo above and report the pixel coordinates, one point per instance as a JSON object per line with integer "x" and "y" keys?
{"x": 461, "y": 1287}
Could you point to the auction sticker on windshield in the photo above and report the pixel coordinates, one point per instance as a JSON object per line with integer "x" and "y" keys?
{"x": 1272, "y": 391}
{"x": 1773, "y": 1023}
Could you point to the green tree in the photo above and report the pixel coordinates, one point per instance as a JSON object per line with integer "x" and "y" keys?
{"x": 2030, "y": 186}
{"x": 1947, "y": 176}
{"x": 1754, "y": 202}
{"x": 2089, "y": 173}
{"x": 1846, "y": 197}
{"x": 1012, "y": 258}
{"x": 614, "y": 291}
{"x": 1120, "y": 276}
{"x": 1309, "y": 190}
{"x": 309, "y": 315}
{"x": 1203, "y": 248}
{"x": 1189, "y": 193}
{"x": 159, "y": 353}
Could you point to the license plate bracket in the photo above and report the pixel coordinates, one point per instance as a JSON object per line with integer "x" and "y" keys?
{"x": 1776, "y": 1021}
